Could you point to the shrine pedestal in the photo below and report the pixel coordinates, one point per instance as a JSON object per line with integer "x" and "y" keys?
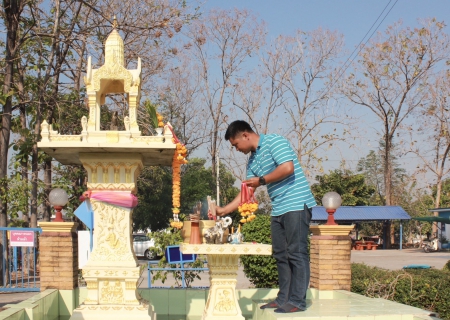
{"x": 112, "y": 271}
{"x": 222, "y": 303}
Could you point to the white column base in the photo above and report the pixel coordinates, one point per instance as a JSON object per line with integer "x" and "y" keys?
{"x": 113, "y": 312}
{"x": 222, "y": 303}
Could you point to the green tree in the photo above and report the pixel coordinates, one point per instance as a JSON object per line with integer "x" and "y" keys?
{"x": 197, "y": 183}
{"x": 352, "y": 187}
{"x": 155, "y": 199}
{"x": 401, "y": 186}
{"x": 155, "y": 192}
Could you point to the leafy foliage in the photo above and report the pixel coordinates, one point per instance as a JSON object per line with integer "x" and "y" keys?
{"x": 447, "y": 266}
{"x": 72, "y": 180}
{"x": 150, "y": 109}
{"x": 155, "y": 192}
{"x": 166, "y": 238}
{"x": 155, "y": 199}
{"x": 197, "y": 182}
{"x": 427, "y": 289}
{"x": 352, "y": 187}
{"x": 260, "y": 270}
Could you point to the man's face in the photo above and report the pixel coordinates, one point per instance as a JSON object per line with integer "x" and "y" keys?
{"x": 241, "y": 142}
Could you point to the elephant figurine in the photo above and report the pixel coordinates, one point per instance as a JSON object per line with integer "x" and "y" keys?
{"x": 215, "y": 235}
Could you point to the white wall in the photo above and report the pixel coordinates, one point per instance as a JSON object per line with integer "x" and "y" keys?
{"x": 84, "y": 240}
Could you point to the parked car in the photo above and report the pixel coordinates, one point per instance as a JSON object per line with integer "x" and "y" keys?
{"x": 142, "y": 244}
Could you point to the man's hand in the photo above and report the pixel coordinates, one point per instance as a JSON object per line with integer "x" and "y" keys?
{"x": 229, "y": 208}
{"x": 220, "y": 211}
{"x": 252, "y": 182}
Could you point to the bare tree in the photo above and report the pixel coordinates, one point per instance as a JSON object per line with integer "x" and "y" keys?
{"x": 220, "y": 44}
{"x": 179, "y": 95}
{"x": 433, "y": 131}
{"x": 389, "y": 79}
{"x": 297, "y": 79}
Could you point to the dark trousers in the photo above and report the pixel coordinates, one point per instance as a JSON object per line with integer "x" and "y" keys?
{"x": 290, "y": 250}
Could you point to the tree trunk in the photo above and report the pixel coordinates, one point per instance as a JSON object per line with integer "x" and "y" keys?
{"x": 437, "y": 202}
{"x": 388, "y": 185}
{"x": 12, "y": 11}
{"x": 48, "y": 187}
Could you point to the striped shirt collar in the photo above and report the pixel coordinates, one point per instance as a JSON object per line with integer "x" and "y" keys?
{"x": 260, "y": 142}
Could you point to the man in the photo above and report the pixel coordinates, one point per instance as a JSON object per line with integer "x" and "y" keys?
{"x": 274, "y": 163}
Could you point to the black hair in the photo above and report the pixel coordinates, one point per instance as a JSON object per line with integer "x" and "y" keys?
{"x": 237, "y": 127}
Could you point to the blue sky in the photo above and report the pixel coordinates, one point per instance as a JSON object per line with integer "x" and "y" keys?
{"x": 356, "y": 20}
{"x": 353, "y": 18}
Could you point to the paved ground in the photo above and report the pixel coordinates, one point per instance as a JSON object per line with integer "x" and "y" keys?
{"x": 387, "y": 259}
{"x": 397, "y": 259}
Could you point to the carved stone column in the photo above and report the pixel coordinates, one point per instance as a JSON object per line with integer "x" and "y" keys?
{"x": 112, "y": 271}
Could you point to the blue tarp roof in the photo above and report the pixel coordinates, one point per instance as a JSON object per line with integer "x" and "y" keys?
{"x": 362, "y": 213}
{"x": 442, "y": 212}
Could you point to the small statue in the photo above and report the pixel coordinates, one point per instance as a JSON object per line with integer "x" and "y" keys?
{"x": 126, "y": 122}
{"x": 214, "y": 235}
{"x": 114, "y": 122}
{"x": 236, "y": 237}
{"x": 84, "y": 123}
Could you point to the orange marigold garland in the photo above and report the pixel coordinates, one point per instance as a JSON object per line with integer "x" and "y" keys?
{"x": 178, "y": 159}
{"x": 248, "y": 204}
{"x": 160, "y": 120}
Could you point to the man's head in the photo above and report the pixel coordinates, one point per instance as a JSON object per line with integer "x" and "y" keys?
{"x": 241, "y": 136}
{"x": 237, "y": 127}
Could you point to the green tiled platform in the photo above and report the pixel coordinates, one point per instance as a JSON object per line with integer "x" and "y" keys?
{"x": 188, "y": 304}
{"x": 340, "y": 305}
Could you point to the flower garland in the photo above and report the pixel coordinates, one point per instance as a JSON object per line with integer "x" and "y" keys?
{"x": 177, "y": 160}
{"x": 248, "y": 204}
{"x": 247, "y": 212}
{"x": 160, "y": 120}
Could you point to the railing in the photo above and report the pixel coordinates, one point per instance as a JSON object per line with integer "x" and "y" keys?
{"x": 182, "y": 269}
{"x": 19, "y": 265}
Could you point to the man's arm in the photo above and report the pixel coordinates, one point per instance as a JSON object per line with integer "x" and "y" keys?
{"x": 282, "y": 171}
{"x": 230, "y": 207}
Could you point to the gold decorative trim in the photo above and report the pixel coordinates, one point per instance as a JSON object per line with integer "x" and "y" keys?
{"x": 331, "y": 230}
{"x": 112, "y": 137}
{"x": 57, "y": 226}
{"x": 112, "y": 186}
{"x": 225, "y": 301}
{"x": 111, "y": 233}
{"x": 227, "y": 249}
{"x": 55, "y": 138}
{"x": 111, "y": 292}
{"x": 130, "y": 285}
{"x": 112, "y": 72}
{"x": 91, "y": 284}
{"x": 148, "y": 139}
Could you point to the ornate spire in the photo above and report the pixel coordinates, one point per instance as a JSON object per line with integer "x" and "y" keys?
{"x": 114, "y": 51}
{"x": 115, "y": 24}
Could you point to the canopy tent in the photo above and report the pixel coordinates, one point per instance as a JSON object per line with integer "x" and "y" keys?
{"x": 361, "y": 213}
{"x": 433, "y": 219}
{"x": 356, "y": 214}
{"x": 443, "y": 217}
{"x": 443, "y": 212}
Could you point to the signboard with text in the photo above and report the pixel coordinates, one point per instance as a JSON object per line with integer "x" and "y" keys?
{"x": 20, "y": 238}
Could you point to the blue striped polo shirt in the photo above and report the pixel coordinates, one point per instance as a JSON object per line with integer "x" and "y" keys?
{"x": 289, "y": 194}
